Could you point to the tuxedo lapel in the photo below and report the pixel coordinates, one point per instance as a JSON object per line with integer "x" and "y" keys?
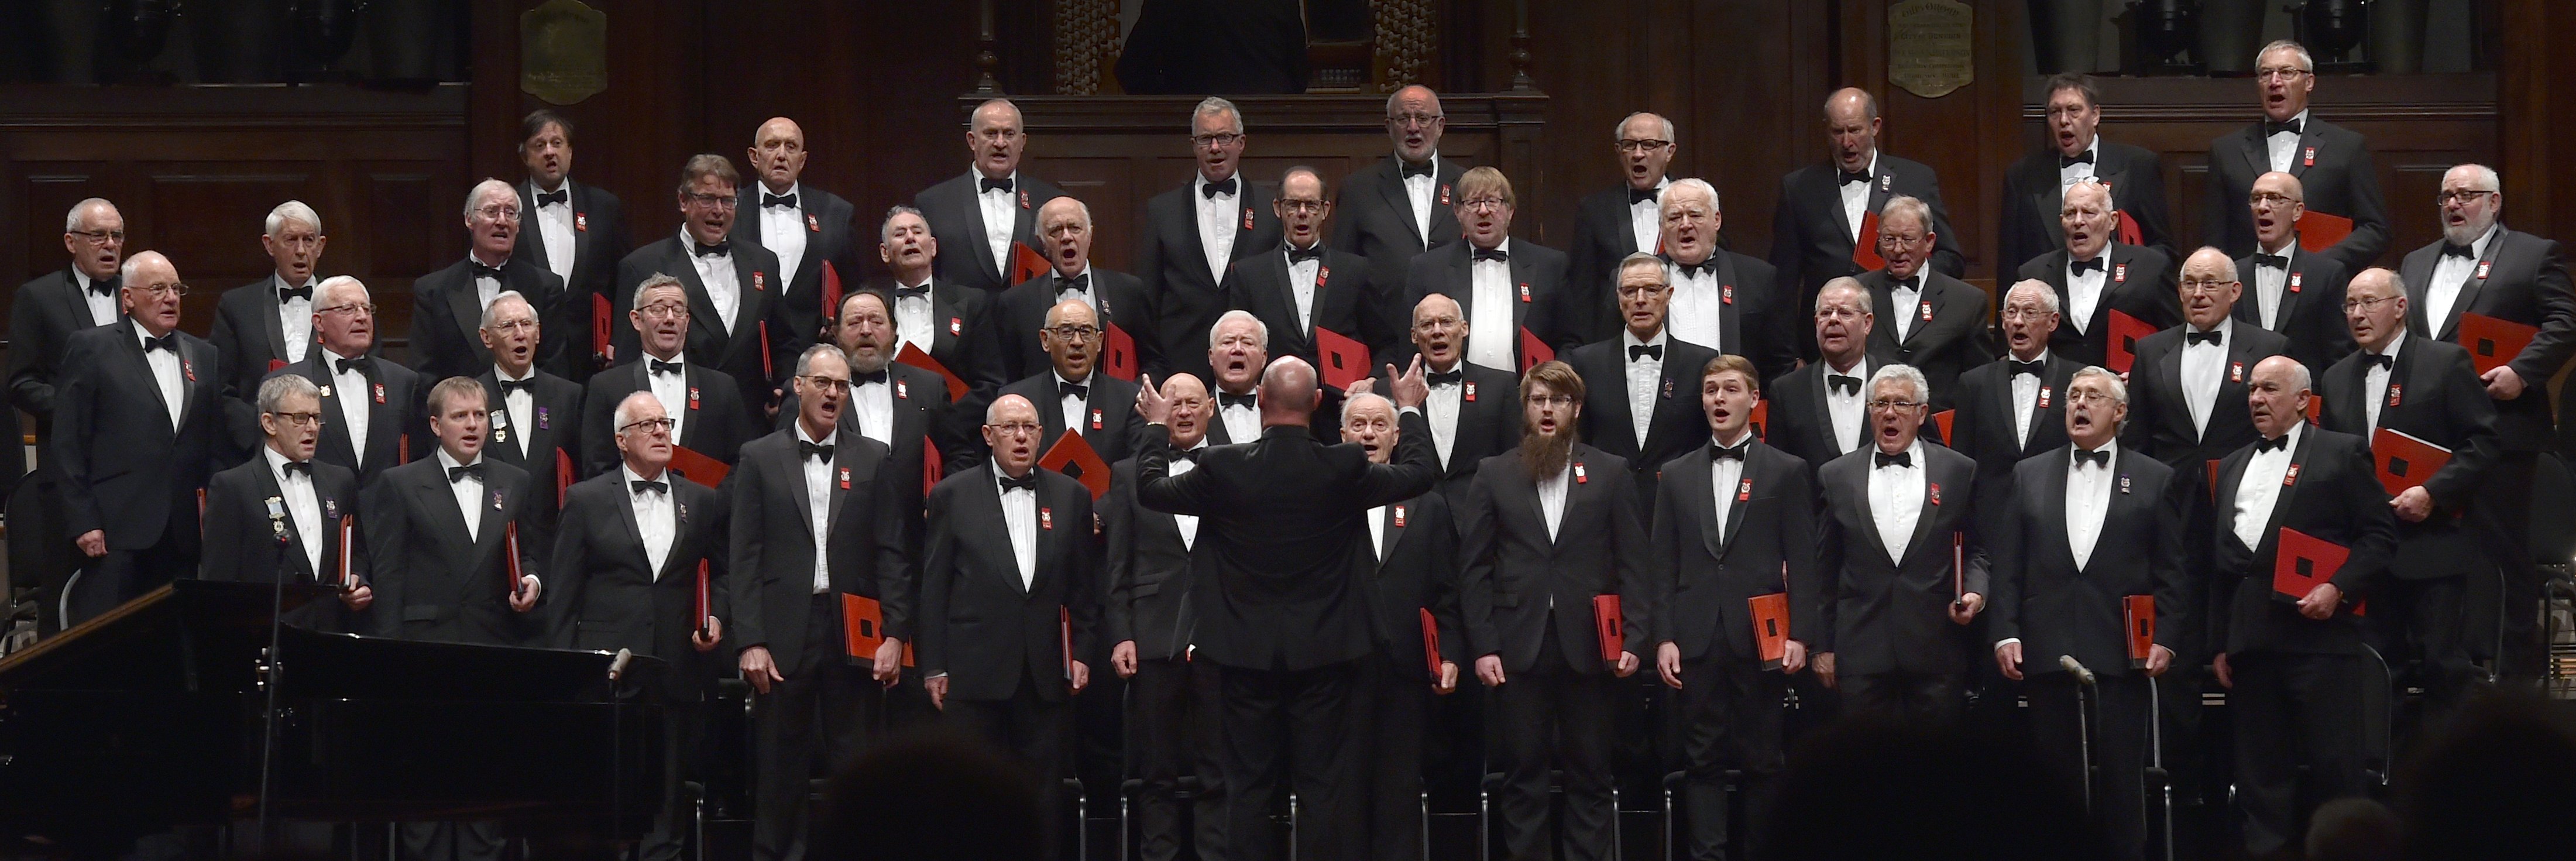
{"x": 465, "y": 305}
{"x": 269, "y": 322}
{"x": 1743, "y": 500}
{"x": 1730, "y": 325}
{"x": 1195, "y": 245}
{"x": 291, "y": 556}
{"x": 1391, "y": 188}
{"x": 1831, "y": 196}
{"x": 2057, "y": 518}
{"x": 625, "y": 500}
{"x": 1931, "y": 511}
{"x": 2258, "y": 154}
{"x": 1394, "y": 534}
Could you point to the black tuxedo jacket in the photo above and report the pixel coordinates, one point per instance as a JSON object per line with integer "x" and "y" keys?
{"x": 1489, "y": 423}
{"x": 2433, "y": 395}
{"x": 2335, "y": 496}
{"x": 447, "y": 320}
{"x": 925, "y": 421}
{"x": 2058, "y": 608}
{"x": 1517, "y": 581}
{"x": 43, "y": 316}
{"x": 1537, "y": 284}
{"x": 770, "y": 586}
{"x": 2335, "y": 175}
{"x": 609, "y": 596}
{"x": 1346, "y": 303}
{"x": 399, "y": 415}
{"x": 1751, "y": 320}
{"x": 1172, "y": 262}
{"x": 2311, "y": 314}
{"x": 1677, "y": 426}
{"x": 761, "y": 350}
{"x": 1119, "y": 298}
{"x": 829, "y": 238}
{"x": 713, "y": 424}
{"x": 116, "y": 460}
{"x": 554, "y": 407}
{"x": 1325, "y": 422}
{"x": 1947, "y": 343}
{"x": 2139, "y": 282}
{"x": 1417, "y": 570}
{"x": 248, "y": 338}
{"x": 1110, "y": 423}
{"x": 957, "y": 221}
{"x": 1811, "y": 237}
{"x": 964, "y": 336}
{"x": 1983, "y": 429}
{"x": 1602, "y": 237}
{"x": 1705, "y": 572}
{"x": 1801, "y": 424}
{"x": 2159, "y": 423}
{"x": 1373, "y": 218}
{"x": 2034, "y": 196}
{"x": 2526, "y": 283}
{"x": 1277, "y": 576}
{"x": 432, "y": 581}
{"x": 599, "y": 241}
{"x": 979, "y": 623}
{"x": 245, "y": 544}
{"x": 1149, "y": 572}
{"x": 1894, "y": 616}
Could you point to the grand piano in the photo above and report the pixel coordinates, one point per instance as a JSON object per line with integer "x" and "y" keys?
{"x": 155, "y": 715}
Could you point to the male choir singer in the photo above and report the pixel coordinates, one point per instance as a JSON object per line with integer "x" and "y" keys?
{"x": 2096, "y": 277}
{"x": 576, "y": 231}
{"x": 1414, "y": 546}
{"x": 2332, "y": 161}
{"x": 1613, "y": 223}
{"x": 270, "y": 320}
{"x": 706, "y": 404}
{"x": 981, "y": 215}
{"x": 533, "y": 412}
{"x": 278, "y": 516}
{"x": 1172, "y": 712}
{"x": 1637, "y": 398}
{"x": 1395, "y": 209}
{"x": 807, "y": 227}
{"x": 738, "y": 321}
{"x": 372, "y": 405}
{"x": 1193, "y": 234}
{"x": 447, "y": 304}
{"x": 1512, "y": 292}
{"x": 2291, "y": 290}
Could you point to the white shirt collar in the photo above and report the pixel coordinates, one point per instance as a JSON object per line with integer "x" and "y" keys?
{"x": 1628, "y": 338}
{"x": 142, "y": 335}
{"x": 2289, "y": 246}
{"x": 679, "y": 358}
{"x": 1741, "y": 437}
{"x": 2225, "y": 329}
{"x": 447, "y": 461}
{"x": 801, "y": 436}
{"x": 2394, "y": 344}
{"x": 998, "y": 474}
{"x": 1504, "y": 246}
{"x": 276, "y": 462}
{"x": 792, "y": 189}
{"x": 2112, "y": 446}
{"x": 1435, "y": 165}
{"x": 330, "y": 357}
{"x": 2292, "y": 436}
{"x": 977, "y": 173}
{"x": 2479, "y": 247}
{"x": 689, "y": 244}
{"x": 564, "y": 184}
{"x": 504, "y": 376}
{"x": 2104, "y": 256}
{"x": 632, "y": 477}
{"x": 82, "y": 280}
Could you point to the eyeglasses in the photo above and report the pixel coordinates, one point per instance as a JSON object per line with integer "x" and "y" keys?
{"x": 1840, "y": 314}
{"x": 298, "y": 419}
{"x": 1483, "y": 204}
{"x": 2266, "y": 198}
{"x": 830, "y": 383}
{"x": 512, "y": 326}
{"x": 1632, "y": 290}
{"x": 664, "y": 309}
{"x": 101, "y": 237}
{"x": 1302, "y": 205}
{"x": 496, "y": 212}
{"x": 2285, "y": 73}
{"x": 2089, "y": 397}
{"x": 2365, "y": 304}
{"x": 164, "y": 289}
{"x": 1894, "y": 406}
{"x": 2013, "y": 313}
{"x": 719, "y": 201}
{"x": 1631, "y": 145}
{"x": 1018, "y": 429}
{"x": 2206, "y": 285}
{"x": 1900, "y": 240}
{"x": 1216, "y": 140}
{"x": 2449, "y": 197}
{"x": 1074, "y": 333}
{"x": 1553, "y": 400}
{"x": 650, "y": 426}
{"x": 1405, "y": 120}
{"x": 348, "y": 308}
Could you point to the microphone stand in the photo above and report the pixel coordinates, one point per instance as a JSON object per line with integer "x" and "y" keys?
{"x": 269, "y": 676}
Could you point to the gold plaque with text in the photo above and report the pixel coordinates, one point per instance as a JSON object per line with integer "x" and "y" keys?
{"x": 563, "y": 51}
{"x": 1930, "y": 46}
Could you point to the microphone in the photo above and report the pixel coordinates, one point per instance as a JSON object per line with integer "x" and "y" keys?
{"x": 2072, "y": 665}
{"x": 617, "y": 667}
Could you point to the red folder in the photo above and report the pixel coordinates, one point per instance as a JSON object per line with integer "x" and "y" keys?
{"x": 1611, "y": 627}
{"x": 2140, "y": 611}
{"x": 2128, "y": 232}
{"x": 705, "y": 604}
{"x": 911, "y": 354}
{"x": 599, "y": 315}
{"x": 1430, "y": 644}
{"x": 1771, "y": 628}
{"x": 2212, "y": 468}
{"x": 1064, "y": 630}
{"x": 2303, "y": 561}
{"x": 1958, "y": 566}
{"x": 1865, "y": 248}
{"x": 1761, "y": 421}
{"x": 2319, "y": 231}
{"x": 348, "y": 551}
{"x": 563, "y": 476}
{"x": 510, "y": 552}
{"x": 2492, "y": 342}
{"x": 1072, "y": 455}
{"x": 275, "y": 365}
{"x": 2316, "y": 409}
{"x": 1118, "y": 353}
{"x": 767, "y": 370}
{"x": 402, "y": 449}
{"x": 1534, "y": 351}
{"x": 2405, "y": 460}
{"x": 1027, "y": 263}
{"x": 931, "y": 468}
{"x": 2123, "y": 341}
{"x": 863, "y": 628}
{"x": 1340, "y": 360}
{"x": 698, "y": 467}
{"x": 1943, "y": 420}
{"x": 832, "y": 299}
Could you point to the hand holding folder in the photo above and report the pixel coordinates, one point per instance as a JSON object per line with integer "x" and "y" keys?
{"x": 2404, "y": 460}
{"x": 2493, "y": 343}
{"x": 1771, "y": 628}
{"x": 1611, "y": 626}
{"x": 2140, "y": 617}
{"x": 2304, "y": 562}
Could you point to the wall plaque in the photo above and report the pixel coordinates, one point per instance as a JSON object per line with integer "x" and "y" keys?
{"x": 1930, "y": 51}
{"x": 563, "y": 51}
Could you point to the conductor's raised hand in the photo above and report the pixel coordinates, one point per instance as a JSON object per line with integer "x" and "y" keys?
{"x": 1410, "y": 389}
{"x": 1150, "y": 403}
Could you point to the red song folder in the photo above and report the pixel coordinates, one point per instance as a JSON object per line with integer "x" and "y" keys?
{"x": 1534, "y": 351}
{"x": 1958, "y": 566}
{"x": 1118, "y": 353}
{"x": 2492, "y": 342}
{"x": 1072, "y": 455}
{"x": 2303, "y": 561}
{"x": 2140, "y": 611}
{"x": 2123, "y": 342}
{"x": 863, "y": 628}
{"x": 705, "y": 604}
{"x": 767, "y": 369}
{"x": 275, "y": 365}
{"x": 1610, "y": 626}
{"x": 1064, "y": 631}
{"x": 510, "y": 552}
{"x": 832, "y": 298}
{"x": 1771, "y": 628}
{"x": 2405, "y": 460}
{"x": 348, "y": 552}
{"x": 1027, "y": 263}
{"x": 1761, "y": 421}
{"x": 698, "y": 467}
{"x": 563, "y": 476}
{"x": 911, "y": 354}
{"x": 2316, "y": 409}
{"x": 1430, "y": 643}
{"x": 599, "y": 337}
{"x": 1943, "y": 420}
{"x": 930, "y": 465}
{"x": 2128, "y": 232}
{"x": 1340, "y": 360}
{"x": 2319, "y": 231}
{"x": 1865, "y": 247}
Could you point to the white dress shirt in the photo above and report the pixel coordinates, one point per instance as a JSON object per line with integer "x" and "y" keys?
{"x": 166, "y": 372}
{"x": 2450, "y": 276}
{"x": 872, "y": 403}
{"x": 516, "y": 408}
{"x": 1645, "y": 375}
{"x": 1218, "y": 219}
{"x": 1000, "y": 223}
{"x": 2204, "y": 369}
{"x": 2283, "y": 147}
{"x": 818, "y": 507}
{"x": 295, "y": 318}
{"x": 303, "y": 506}
{"x": 2271, "y": 284}
{"x": 487, "y": 286}
{"x": 1848, "y": 409}
{"x": 672, "y": 390}
{"x": 102, "y": 306}
{"x": 1020, "y": 518}
{"x": 1551, "y": 497}
{"x": 716, "y": 272}
{"x": 2260, "y": 489}
{"x": 2025, "y": 398}
{"x": 1377, "y": 531}
{"x": 1906, "y": 298}
{"x": 1089, "y": 294}
{"x": 1490, "y": 333}
{"x": 782, "y": 229}
{"x": 1418, "y": 190}
{"x": 1440, "y": 409}
{"x": 468, "y": 492}
{"x": 2375, "y": 380}
{"x": 1072, "y": 406}
{"x": 912, "y": 319}
{"x": 555, "y": 229}
{"x": 356, "y": 396}
{"x": 1856, "y": 196}
{"x": 1242, "y": 423}
{"x": 1301, "y": 283}
{"x": 1646, "y": 218}
{"x": 654, "y": 518}
{"x": 2069, "y": 174}
{"x": 1723, "y": 476}
{"x": 1896, "y": 501}
{"x": 2084, "y": 292}
{"x": 1188, "y": 523}
{"x": 2088, "y": 500}
{"x": 1694, "y": 314}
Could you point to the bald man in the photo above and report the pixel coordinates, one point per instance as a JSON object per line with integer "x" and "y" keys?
{"x": 1073, "y": 393}
{"x": 1397, "y": 208}
{"x": 2094, "y": 276}
{"x": 1822, "y": 205}
{"x": 1065, "y": 234}
{"x": 977, "y": 216}
{"x": 2288, "y": 289}
{"x": 1173, "y": 711}
{"x": 2187, "y": 387}
{"x": 807, "y": 226}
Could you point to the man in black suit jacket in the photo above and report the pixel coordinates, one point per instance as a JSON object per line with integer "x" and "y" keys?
{"x": 534, "y": 413}
{"x": 1824, "y": 206}
{"x": 2095, "y": 277}
{"x": 279, "y": 514}
{"x": 635, "y": 567}
{"x": 1115, "y": 298}
{"x": 1818, "y": 411}
{"x": 267, "y": 323}
{"x": 1881, "y": 546}
{"x": 1519, "y": 285}
{"x": 2482, "y": 267}
{"x": 1306, "y": 286}
{"x": 738, "y": 323}
{"x": 371, "y": 412}
{"x": 2034, "y": 186}
{"x": 448, "y": 305}
{"x": 140, "y": 421}
{"x": 441, "y": 532}
{"x": 1720, "y": 299}
{"x": 2187, "y": 384}
{"x": 43, "y": 315}
{"x": 2428, "y": 390}
{"x": 1395, "y": 209}
{"x": 1172, "y": 715}
{"x": 1540, "y": 546}
{"x": 576, "y": 231}
{"x": 1413, "y": 546}
{"x": 2012, "y": 409}
{"x": 987, "y": 214}
{"x": 1278, "y": 596}
{"x": 2331, "y": 161}
{"x": 1926, "y": 319}
{"x": 2295, "y": 663}
{"x": 952, "y": 322}
{"x": 1734, "y": 523}
{"x": 2288, "y": 289}
{"x": 807, "y": 227}
{"x": 2084, "y": 528}
{"x": 1075, "y": 393}
{"x": 1010, "y": 597}
{"x": 1613, "y": 223}
{"x": 1637, "y": 387}
{"x": 1217, "y": 209}
{"x": 795, "y": 561}
{"x": 1472, "y": 412}
{"x": 705, "y": 402}
{"x": 904, "y": 407}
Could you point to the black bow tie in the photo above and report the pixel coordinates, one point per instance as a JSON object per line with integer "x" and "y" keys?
{"x": 639, "y": 487}
{"x": 2079, "y": 267}
{"x": 2211, "y": 337}
{"x": 1076, "y": 283}
{"x": 1694, "y": 270}
{"x": 1073, "y": 390}
{"x": 1230, "y": 399}
{"x": 1910, "y": 282}
{"x": 295, "y": 466}
{"x": 819, "y": 452}
{"x": 2034, "y": 367}
{"x": 2278, "y": 443}
{"x": 988, "y": 184}
{"x": 2450, "y": 250}
{"x": 562, "y": 196}
{"x": 359, "y": 364}
{"x": 168, "y": 342}
{"x": 1643, "y": 195}
{"x": 1216, "y": 188}
{"x": 1445, "y": 378}
{"x": 1636, "y": 350}
{"x": 658, "y": 366}
{"x": 1845, "y": 177}
{"x": 1422, "y": 169}
{"x": 921, "y": 292}
{"x": 1190, "y": 454}
{"x": 717, "y": 250}
{"x": 460, "y": 473}
{"x": 528, "y": 385}
{"x": 2271, "y": 128}
{"x": 2383, "y": 361}
{"x": 103, "y": 287}
{"x": 305, "y": 293}
{"x": 2276, "y": 261}
{"x": 1720, "y": 452}
{"x": 479, "y": 271}
{"x": 1902, "y": 458}
{"x": 1027, "y": 482}
{"x": 1298, "y": 255}
{"x": 2067, "y": 161}
{"x": 2097, "y": 458}
{"x": 860, "y": 379}
{"x": 1497, "y": 255}
{"x": 768, "y": 200}
{"x": 1845, "y": 382}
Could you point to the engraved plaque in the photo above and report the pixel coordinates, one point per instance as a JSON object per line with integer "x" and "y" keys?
{"x": 563, "y": 51}
{"x": 1930, "y": 49}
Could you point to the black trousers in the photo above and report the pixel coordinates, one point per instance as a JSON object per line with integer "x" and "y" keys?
{"x": 102, "y": 583}
{"x": 1732, "y": 718}
{"x": 2294, "y": 709}
{"x": 827, "y": 710}
{"x": 684, "y": 730}
{"x": 2420, "y": 622}
{"x": 2503, "y": 513}
{"x": 1173, "y": 727}
{"x": 1025, "y": 725}
{"x": 2119, "y": 736}
{"x": 1392, "y": 718}
{"x": 1290, "y": 724}
{"x": 1552, "y": 717}
{"x": 1925, "y": 698}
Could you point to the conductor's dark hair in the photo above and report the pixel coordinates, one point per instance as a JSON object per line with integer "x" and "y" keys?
{"x": 537, "y": 120}
{"x": 933, "y": 794}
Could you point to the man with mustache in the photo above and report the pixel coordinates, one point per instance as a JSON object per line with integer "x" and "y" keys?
{"x": 535, "y": 415}
{"x": 1613, "y": 223}
{"x": 2034, "y": 186}
{"x": 1172, "y": 710}
{"x": 982, "y": 213}
{"x": 1472, "y": 412}
{"x": 703, "y": 403}
{"x": 1115, "y": 298}
{"x": 249, "y": 540}
{"x": 1818, "y": 411}
{"x": 1648, "y": 417}
{"x": 2094, "y": 277}
{"x": 370, "y": 406}
{"x": 1193, "y": 234}
{"x": 2333, "y": 163}
{"x": 578, "y": 233}
{"x": 1928, "y": 320}
{"x": 1076, "y": 394}
{"x": 1720, "y": 299}
{"x": 42, "y": 318}
{"x": 269, "y": 321}
{"x": 1545, "y": 530}
{"x": 952, "y": 322}
{"x": 1510, "y": 292}
{"x": 1414, "y": 554}
{"x": 448, "y": 305}
{"x": 1823, "y": 206}
{"x": 1395, "y": 209}
{"x": 805, "y": 226}
{"x": 738, "y": 323}
{"x": 2291, "y": 291}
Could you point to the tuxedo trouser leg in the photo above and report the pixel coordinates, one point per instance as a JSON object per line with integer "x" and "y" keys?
{"x": 1206, "y": 734}
{"x": 2425, "y": 619}
{"x": 2267, "y": 749}
{"x": 1324, "y": 765}
{"x": 2504, "y": 511}
{"x": 1872, "y": 695}
{"x": 2325, "y": 691}
{"x": 1524, "y": 724}
{"x": 1041, "y": 733}
{"x": 683, "y": 728}
{"x": 1734, "y": 717}
{"x": 1158, "y": 702}
{"x": 1392, "y": 720}
{"x": 1936, "y": 699}
{"x": 1256, "y": 730}
{"x": 1586, "y": 705}
{"x": 2119, "y": 734}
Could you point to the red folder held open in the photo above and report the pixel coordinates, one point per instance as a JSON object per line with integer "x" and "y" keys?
{"x": 832, "y": 300}
{"x": 1771, "y": 628}
{"x": 1943, "y": 420}
{"x": 1340, "y": 360}
{"x": 2316, "y": 409}
{"x": 1610, "y": 625}
{"x": 2404, "y": 460}
{"x": 275, "y": 365}
{"x": 510, "y": 553}
{"x": 1064, "y": 630}
{"x": 2128, "y": 232}
{"x": 911, "y": 354}
{"x": 698, "y": 467}
{"x": 2123, "y": 342}
{"x": 768, "y": 371}
{"x": 563, "y": 476}
{"x": 2319, "y": 231}
{"x": 1430, "y": 644}
{"x": 2303, "y": 561}
{"x": 2140, "y": 611}
{"x": 1865, "y": 248}
{"x": 1534, "y": 351}
{"x": 1118, "y": 352}
{"x": 1073, "y": 455}
{"x": 931, "y": 468}
{"x": 2493, "y": 342}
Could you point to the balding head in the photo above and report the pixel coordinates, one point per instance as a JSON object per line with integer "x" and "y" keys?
{"x": 1071, "y": 339}
{"x": 1287, "y": 392}
{"x": 2209, "y": 288}
{"x": 777, "y": 154}
{"x": 1414, "y": 123}
{"x": 2277, "y": 200}
{"x": 1851, "y": 125}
